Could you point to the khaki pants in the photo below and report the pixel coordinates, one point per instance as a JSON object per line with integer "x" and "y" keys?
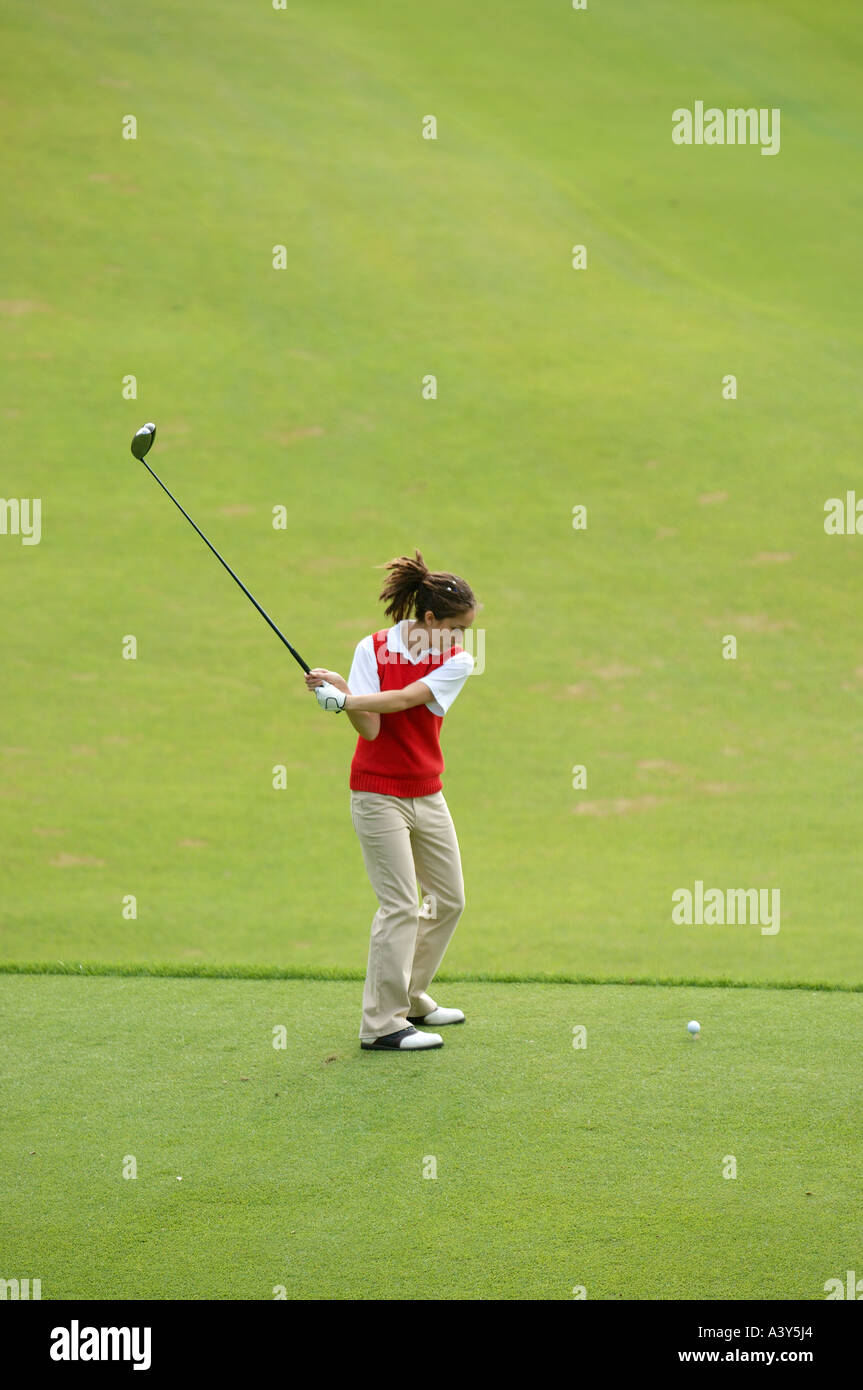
{"x": 405, "y": 841}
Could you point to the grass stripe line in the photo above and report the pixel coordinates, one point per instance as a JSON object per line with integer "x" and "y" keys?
{"x": 179, "y": 971}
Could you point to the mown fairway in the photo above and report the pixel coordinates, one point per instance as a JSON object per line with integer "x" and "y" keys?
{"x": 302, "y": 388}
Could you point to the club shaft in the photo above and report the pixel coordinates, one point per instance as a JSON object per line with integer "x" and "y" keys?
{"x": 295, "y": 654}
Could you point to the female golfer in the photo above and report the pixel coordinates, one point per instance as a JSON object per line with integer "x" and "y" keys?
{"x": 402, "y": 681}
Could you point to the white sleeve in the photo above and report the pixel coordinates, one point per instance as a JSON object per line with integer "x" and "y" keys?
{"x": 446, "y": 681}
{"x": 365, "y": 677}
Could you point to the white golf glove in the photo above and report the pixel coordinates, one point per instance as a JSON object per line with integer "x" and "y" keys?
{"x": 330, "y": 698}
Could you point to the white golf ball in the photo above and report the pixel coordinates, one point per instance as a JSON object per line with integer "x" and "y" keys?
{"x": 693, "y": 1027}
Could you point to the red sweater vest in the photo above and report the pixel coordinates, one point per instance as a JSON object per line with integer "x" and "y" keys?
{"x": 405, "y": 759}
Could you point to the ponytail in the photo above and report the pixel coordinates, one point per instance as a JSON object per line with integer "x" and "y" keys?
{"x": 413, "y": 586}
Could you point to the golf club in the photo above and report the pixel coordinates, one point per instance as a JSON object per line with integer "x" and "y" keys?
{"x": 140, "y": 446}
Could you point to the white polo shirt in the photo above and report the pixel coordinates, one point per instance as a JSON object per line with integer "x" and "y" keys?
{"x": 444, "y": 681}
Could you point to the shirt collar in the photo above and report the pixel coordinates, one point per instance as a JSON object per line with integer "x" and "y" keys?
{"x": 396, "y": 642}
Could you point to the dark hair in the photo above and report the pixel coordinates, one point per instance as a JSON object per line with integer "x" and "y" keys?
{"x": 412, "y": 585}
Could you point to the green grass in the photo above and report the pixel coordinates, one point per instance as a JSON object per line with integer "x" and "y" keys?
{"x": 173, "y": 970}
{"x": 154, "y": 777}
{"x": 302, "y": 1167}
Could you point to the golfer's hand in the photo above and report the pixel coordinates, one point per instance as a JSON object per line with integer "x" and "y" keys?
{"x": 317, "y": 677}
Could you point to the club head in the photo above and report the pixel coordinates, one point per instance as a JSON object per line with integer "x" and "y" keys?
{"x": 143, "y": 439}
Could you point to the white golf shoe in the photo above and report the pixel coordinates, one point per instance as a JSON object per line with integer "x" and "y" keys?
{"x": 405, "y": 1040}
{"x": 438, "y": 1017}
